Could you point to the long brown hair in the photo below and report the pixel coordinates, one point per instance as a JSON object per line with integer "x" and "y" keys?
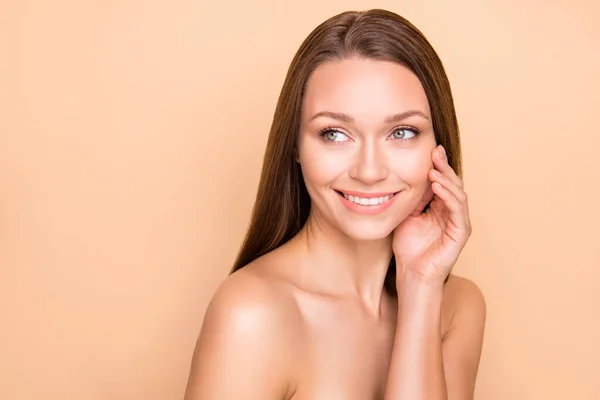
{"x": 282, "y": 202}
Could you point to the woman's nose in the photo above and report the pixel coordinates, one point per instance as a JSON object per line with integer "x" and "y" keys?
{"x": 370, "y": 165}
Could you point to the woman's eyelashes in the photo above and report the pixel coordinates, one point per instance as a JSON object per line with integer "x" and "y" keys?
{"x": 402, "y": 133}
{"x": 333, "y": 135}
{"x": 405, "y": 133}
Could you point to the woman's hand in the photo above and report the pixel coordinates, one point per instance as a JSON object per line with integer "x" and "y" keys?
{"x": 427, "y": 244}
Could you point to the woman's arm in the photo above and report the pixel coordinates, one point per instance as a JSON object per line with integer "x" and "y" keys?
{"x": 424, "y": 365}
{"x": 241, "y": 351}
{"x": 426, "y": 246}
{"x": 416, "y": 368}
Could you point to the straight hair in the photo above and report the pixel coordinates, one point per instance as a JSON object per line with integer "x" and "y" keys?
{"x": 282, "y": 202}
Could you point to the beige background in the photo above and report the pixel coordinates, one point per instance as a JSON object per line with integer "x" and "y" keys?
{"x": 131, "y": 137}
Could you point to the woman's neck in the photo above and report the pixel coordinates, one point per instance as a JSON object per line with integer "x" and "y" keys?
{"x": 336, "y": 264}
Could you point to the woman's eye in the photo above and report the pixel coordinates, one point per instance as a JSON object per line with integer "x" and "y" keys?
{"x": 404, "y": 133}
{"x": 334, "y": 136}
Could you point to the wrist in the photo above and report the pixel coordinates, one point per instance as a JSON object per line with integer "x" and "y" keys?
{"x": 419, "y": 302}
{"x": 406, "y": 278}
{"x": 416, "y": 292}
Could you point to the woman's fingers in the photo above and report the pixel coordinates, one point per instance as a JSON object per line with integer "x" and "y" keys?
{"x": 440, "y": 161}
{"x": 449, "y": 188}
{"x": 449, "y": 184}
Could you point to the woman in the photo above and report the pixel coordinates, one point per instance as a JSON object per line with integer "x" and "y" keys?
{"x": 342, "y": 288}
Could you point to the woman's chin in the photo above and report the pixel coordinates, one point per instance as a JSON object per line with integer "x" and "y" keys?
{"x": 368, "y": 234}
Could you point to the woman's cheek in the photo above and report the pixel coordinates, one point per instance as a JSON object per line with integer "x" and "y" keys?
{"x": 322, "y": 161}
{"x": 413, "y": 168}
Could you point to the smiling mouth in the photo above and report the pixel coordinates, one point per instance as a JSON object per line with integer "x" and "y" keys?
{"x": 367, "y": 201}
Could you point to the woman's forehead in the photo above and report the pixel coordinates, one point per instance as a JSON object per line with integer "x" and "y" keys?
{"x": 363, "y": 87}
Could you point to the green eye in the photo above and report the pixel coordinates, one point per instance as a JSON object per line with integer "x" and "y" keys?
{"x": 331, "y": 135}
{"x": 404, "y": 133}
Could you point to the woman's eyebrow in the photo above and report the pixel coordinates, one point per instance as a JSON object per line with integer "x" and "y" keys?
{"x": 399, "y": 117}
{"x": 388, "y": 120}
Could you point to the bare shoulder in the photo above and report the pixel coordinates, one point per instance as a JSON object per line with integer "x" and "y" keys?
{"x": 462, "y": 292}
{"x": 250, "y": 332}
{"x": 462, "y": 295}
{"x": 463, "y": 302}
{"x": 252, "y": 294}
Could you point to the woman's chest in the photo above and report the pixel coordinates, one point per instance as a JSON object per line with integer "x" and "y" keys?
{"x": 343, "y": 358}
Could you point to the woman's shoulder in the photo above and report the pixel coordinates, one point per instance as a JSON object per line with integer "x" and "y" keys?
{"x": 459, "y": 290}
{"x": 254, "y": 298}
{"x": 463, "y": 301}
{"x": 249, "y": 332}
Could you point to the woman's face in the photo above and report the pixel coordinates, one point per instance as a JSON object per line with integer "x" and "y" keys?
{"x": 365, "y": 135}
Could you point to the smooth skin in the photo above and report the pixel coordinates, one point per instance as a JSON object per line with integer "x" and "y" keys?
{"x": 311, "y": 319}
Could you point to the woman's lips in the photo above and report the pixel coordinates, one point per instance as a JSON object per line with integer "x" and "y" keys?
{"x": 367, "y": 203}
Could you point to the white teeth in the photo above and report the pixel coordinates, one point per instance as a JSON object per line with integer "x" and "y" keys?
{"x": 372, "y": 201}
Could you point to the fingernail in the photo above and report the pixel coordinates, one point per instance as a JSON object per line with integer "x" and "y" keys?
{"x": 442, "y": 152}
